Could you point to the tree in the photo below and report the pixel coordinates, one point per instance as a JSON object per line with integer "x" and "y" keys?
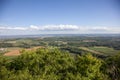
{"x": 51, "y": 64}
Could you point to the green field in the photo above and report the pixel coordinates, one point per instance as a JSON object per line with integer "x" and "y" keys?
{"x": 105, "y": 50}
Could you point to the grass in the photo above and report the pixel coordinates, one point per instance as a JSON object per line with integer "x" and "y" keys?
{"x": 105, "y": 50}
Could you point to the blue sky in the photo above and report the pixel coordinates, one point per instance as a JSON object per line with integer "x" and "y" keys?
{"x": 59, "y": 16}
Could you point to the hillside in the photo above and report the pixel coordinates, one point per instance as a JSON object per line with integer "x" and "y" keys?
{"x": 54, "y": 64}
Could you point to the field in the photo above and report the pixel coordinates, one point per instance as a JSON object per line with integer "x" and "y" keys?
{"x": 17, "y": 51}
{"x": 91, "y": 51}
{"x": 73, "y": 44}
{"x": 12, "y": 53}
{"x": 104, "y": 50}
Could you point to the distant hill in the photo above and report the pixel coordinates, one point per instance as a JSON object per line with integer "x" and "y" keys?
{"x": 57, "y": 35}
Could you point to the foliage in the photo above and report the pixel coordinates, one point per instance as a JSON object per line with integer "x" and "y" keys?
{"x": 112, "y": 67}
{"x": 51, "y": 64}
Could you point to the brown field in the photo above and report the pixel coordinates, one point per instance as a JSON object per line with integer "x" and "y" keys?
{"x": 16, "y": 52}
{"x": 13, "y": 53}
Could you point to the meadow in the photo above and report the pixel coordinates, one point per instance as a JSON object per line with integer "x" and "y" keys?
{"x": 105, "y": 50}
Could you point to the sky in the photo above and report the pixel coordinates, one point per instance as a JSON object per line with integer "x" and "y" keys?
{"x": 21, "y": 17}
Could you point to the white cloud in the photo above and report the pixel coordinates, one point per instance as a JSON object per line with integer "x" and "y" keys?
{"x": 19, "y": 28}
{"x": 105, "y": 29}
{"x": 13, "y": 28}
{"x": 32, "y": 27}
{"x": 64, "y": 28}
{"x": 46, "y": 27}
{"x": 60, "y": 27}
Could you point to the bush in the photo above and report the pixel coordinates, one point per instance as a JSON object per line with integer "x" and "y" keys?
{"x": 51, "y": 64}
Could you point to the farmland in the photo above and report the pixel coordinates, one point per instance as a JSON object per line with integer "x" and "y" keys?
{"x": 107, "y": 46}
{"x": 105, "y": 50}
{"x": 60, "y": 57}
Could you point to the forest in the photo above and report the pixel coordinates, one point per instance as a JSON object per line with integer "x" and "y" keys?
{"x": 54, "y": 64}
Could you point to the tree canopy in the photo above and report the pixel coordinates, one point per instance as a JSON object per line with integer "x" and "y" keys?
{"x": 53, "y": 64}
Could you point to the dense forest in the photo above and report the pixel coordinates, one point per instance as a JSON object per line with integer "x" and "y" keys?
{"x": 54, "y": 64}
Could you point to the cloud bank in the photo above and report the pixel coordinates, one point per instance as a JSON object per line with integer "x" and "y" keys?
{"x": 46, "y": 27}
{"x": 64, "y": 28}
